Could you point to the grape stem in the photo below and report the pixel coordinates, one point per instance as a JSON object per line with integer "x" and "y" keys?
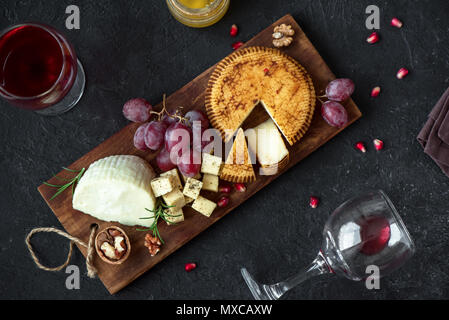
{"x": 164, "y": 111}
{"x": 318, "y": 98}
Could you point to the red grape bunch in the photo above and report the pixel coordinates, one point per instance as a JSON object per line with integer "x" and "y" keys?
{"x": 170, "y": 133}
{"x": 332, "y": 110}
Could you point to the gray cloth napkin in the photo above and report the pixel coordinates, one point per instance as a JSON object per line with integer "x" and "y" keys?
{"x": 434, "y": 137}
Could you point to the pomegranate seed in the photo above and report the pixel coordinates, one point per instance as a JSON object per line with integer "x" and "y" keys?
{"x": 395, "y": 22}
{"x": 378, "y": 144}
{"x": 266, "y": 70}
{"x": 361, "y": 146}
{"x": 314, "y": 201}
{"x": 237, "y": 45}
{"x": 240, "y": 187}
{"x": 402, "y": 73}
{"x": 375, "y": 92}
{"x": 223, "y": 202}
{"x": 234, "y": 30}
{"x": 190, "y": 266}
{"x": 373, "y": 38}
{"x": 224, "y": 189}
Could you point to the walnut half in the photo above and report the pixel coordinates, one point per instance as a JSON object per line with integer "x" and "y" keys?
{"x": 112, "y": 245}
{"x": 153, "y": 244}
{"x": 282, "y": 35}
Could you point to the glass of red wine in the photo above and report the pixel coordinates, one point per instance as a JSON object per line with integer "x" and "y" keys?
{"x": 362, "y": 232}
{"x": 39, "y": 69}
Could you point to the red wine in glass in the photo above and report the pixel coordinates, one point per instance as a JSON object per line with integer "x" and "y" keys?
{"x": 362, "y": 232}
{"x": 39, "y": 69}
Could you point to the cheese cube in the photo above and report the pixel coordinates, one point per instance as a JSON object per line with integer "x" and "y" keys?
{"x": 174, "y": 216}
{"x": 174, "y": 199}
{"x": 197, "y": 177}
{"x": 188, "y": 199}
{"x": 192, "y": 188}
{"x": 210, "y": 182}
{"x": 173, "y": 173}
{"x": 162, "y": 185}
{"x": 204, "y": 206}
{"x": 211, "y": 164}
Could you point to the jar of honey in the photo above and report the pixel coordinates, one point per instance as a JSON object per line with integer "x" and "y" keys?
{"x": 198, "y": 13}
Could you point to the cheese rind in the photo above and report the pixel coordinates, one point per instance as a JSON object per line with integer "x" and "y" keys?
{"x": 117, "y": 188}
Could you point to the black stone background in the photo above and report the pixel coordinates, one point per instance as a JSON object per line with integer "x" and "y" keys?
{"x": 136, "y": 49}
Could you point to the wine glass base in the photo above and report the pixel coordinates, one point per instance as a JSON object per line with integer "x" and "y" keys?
{"x": 260, "y": 291}
{"x": 71, "y": 98}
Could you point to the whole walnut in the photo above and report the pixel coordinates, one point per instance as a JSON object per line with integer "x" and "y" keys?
{"x": 282, "y": 35}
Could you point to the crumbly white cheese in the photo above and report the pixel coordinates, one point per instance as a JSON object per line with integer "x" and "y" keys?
{"x": 117, "y": 188}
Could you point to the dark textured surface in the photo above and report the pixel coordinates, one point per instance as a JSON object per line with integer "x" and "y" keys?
{"x": 135, "y": 48}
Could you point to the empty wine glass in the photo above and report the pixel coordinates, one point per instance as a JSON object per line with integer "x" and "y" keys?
{"x": 365, "y": 231}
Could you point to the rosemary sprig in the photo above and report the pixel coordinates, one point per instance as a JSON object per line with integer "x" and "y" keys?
{"x": 70, "y": 182}
{"x": 159, "y": 212}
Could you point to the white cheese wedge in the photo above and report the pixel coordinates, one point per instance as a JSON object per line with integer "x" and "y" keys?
{"x": 117, "y": 188}
{"x": 269, "y": 145}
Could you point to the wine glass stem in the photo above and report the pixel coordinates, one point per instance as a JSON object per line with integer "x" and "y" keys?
{"x": 316, "y": 268}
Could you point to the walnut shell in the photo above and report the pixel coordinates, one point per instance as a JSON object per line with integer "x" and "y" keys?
{"x": 282, "y": 35}
{"x": 282, "y": 42}
{"x": 108, "y": 234}
{"x": 286, "y": 30}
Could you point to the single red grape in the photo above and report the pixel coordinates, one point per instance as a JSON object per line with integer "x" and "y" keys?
{"x": 196, "y": 115}
{"x": 163, "y": 160}
{"x": 139, "y": 140}
{"x": 189, "y": 164}
{"x": 137, "y": 110}
{"x": 168, "y": 120}
{"x": 178, "y": 134}
{"x": 334, "y": 114}
{"x": 154, "y": 135}
{"x": 340, "y": 89}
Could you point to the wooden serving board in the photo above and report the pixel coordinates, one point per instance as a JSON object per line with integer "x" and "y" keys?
{"x": 191, "y": 96}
